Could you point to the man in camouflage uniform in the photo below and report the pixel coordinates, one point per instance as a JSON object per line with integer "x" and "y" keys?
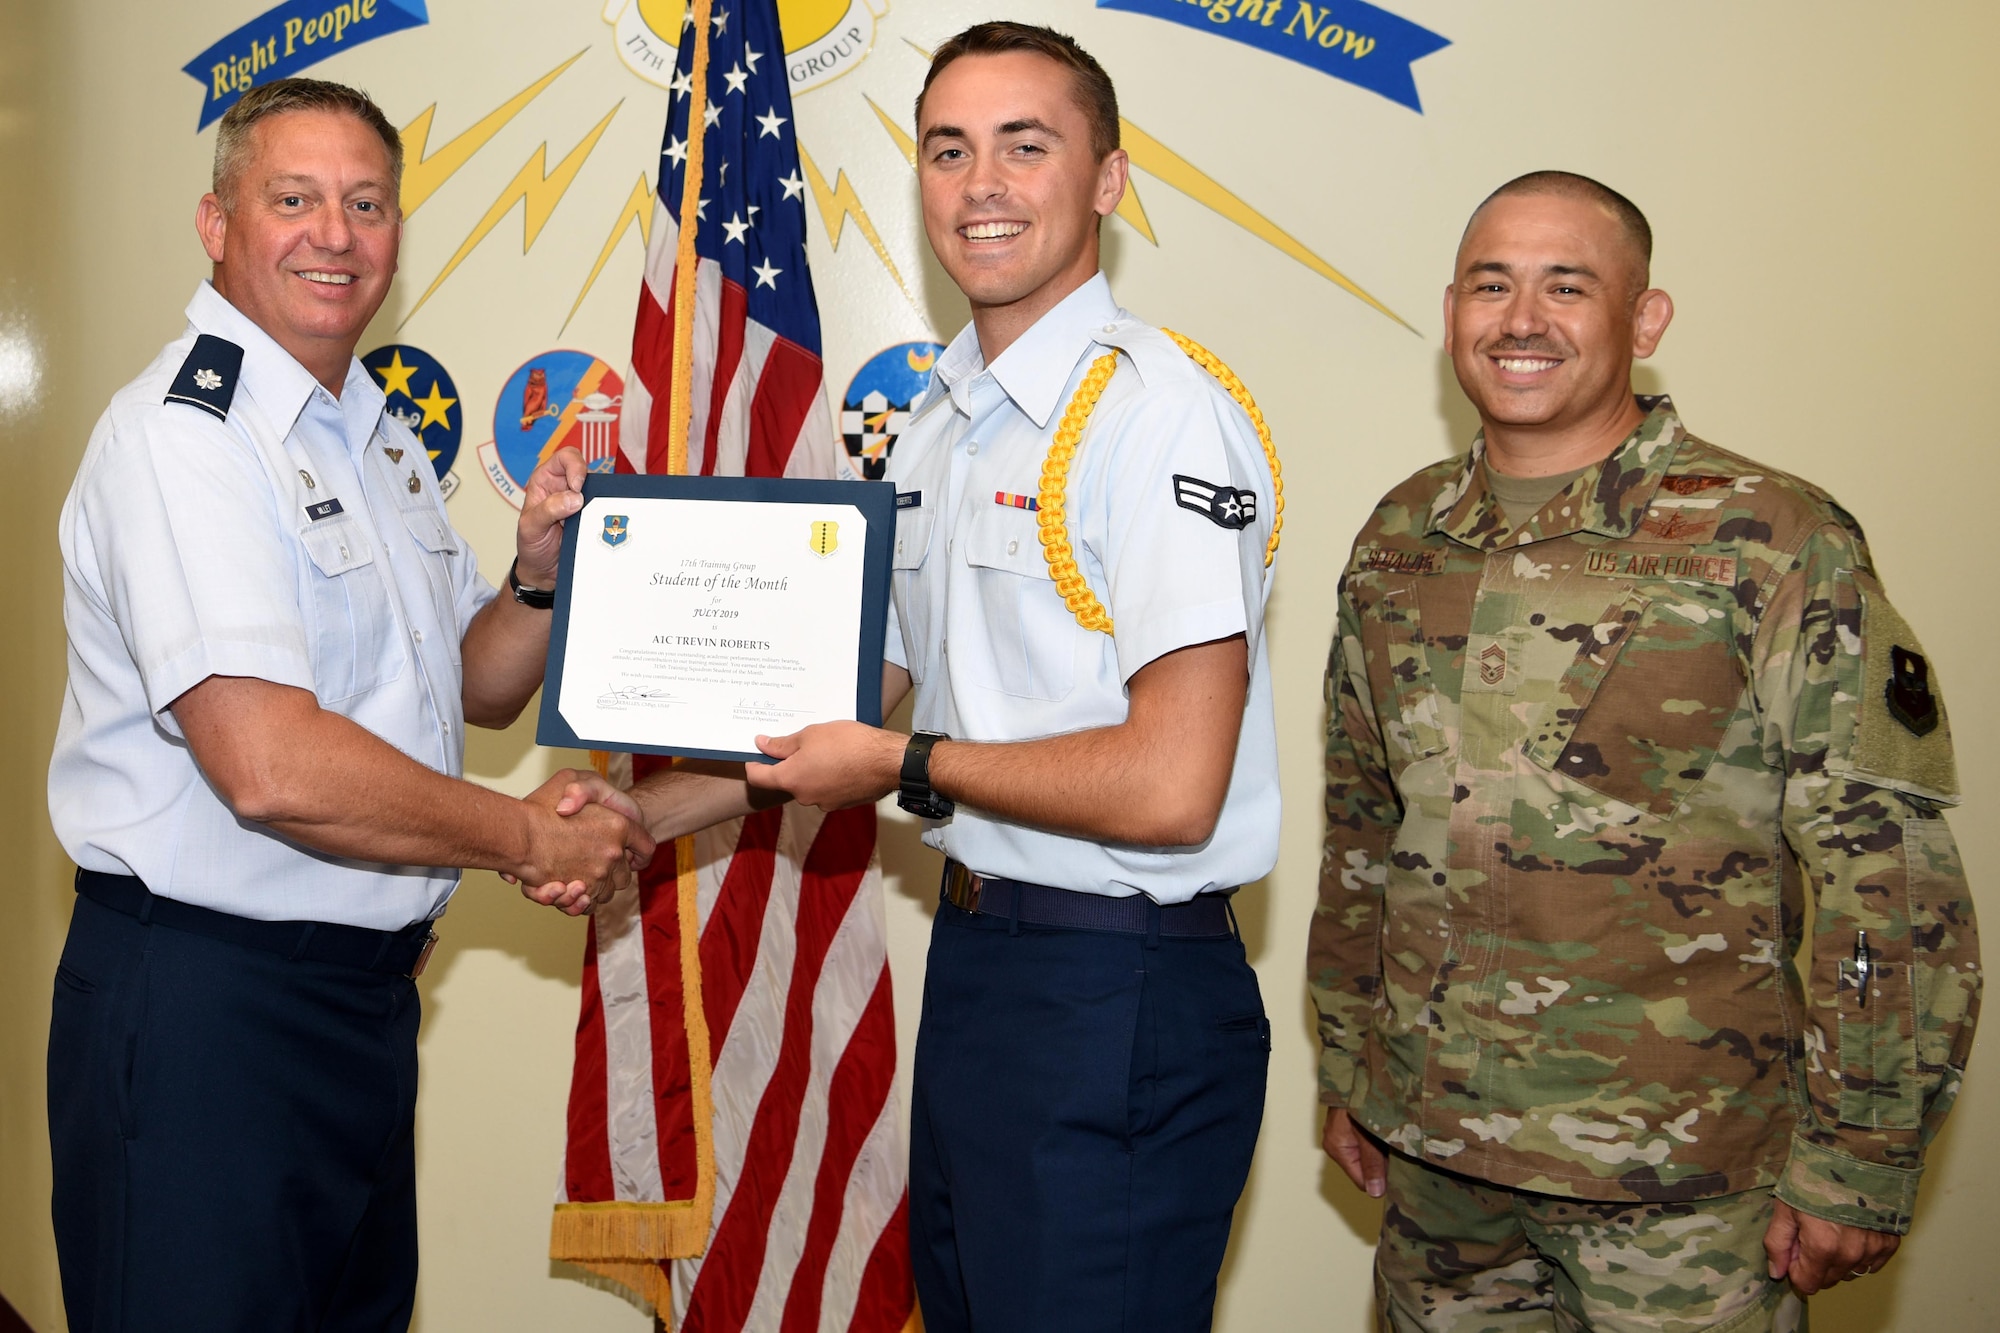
{"x": 1609, "y": 706}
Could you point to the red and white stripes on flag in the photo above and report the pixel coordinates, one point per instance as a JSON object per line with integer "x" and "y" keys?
{"x": 735, "y": 1153}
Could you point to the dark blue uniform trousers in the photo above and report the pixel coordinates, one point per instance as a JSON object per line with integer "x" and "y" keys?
{"x": 232, "y": 1134}
{"x": 1083, "y": 1111}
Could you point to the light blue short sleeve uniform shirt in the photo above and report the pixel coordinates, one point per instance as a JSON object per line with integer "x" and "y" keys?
{"x": 1170, "y": 507}
{"x": 296, "y": 538}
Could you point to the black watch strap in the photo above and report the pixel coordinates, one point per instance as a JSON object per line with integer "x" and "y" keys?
{"x": 542, "y": 599}
{"x": 914, "y": 792}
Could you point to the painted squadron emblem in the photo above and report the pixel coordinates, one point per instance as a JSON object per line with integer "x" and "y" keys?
{"x": 615, "y": 529}
{"x": 208, "y": 379}
{"x": 825, "y": 539}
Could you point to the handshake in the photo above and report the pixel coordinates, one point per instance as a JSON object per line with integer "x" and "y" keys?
{"x": 586, "y": 840}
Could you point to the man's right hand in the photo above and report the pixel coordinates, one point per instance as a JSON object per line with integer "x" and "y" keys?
{"x": 1354, "y": 1152}
{"x": 580, "y": 854}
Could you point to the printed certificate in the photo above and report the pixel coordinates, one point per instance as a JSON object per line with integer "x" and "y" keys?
{"x": 697, "y": 613}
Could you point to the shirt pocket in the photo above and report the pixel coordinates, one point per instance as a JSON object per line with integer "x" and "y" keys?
{"x": 356, "y": 642}
{"x": 1407, "y": 702}
{"x": 1030, "y": 632}
{"x": 1641, "y": 711}
{"x": 906, "y": 587}
{"x": 439, "y": 544}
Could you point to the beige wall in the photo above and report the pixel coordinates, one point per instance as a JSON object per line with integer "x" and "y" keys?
{"x": 1821, "y": 179}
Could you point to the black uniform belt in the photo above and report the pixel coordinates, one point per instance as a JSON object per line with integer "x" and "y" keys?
{"x": 1206, "y": 916}
{"x": 401, "y": 952}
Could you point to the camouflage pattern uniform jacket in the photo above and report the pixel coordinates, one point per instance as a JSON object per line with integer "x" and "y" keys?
{"x": 1582, "y": 776}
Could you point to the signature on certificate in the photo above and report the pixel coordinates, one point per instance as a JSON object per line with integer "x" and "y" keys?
{"x": 636, "y": 696}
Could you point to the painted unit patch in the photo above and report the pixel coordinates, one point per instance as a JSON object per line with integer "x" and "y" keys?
{"x": 1611, "y": 563}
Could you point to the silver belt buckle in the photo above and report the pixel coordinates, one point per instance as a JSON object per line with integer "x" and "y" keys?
{"x": 962, "y": 887}
{"x": 424, "y": 956}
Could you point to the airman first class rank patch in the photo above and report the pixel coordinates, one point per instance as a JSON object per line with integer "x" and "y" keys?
{"x": 207, "y": 379}
{"x": 1224, "y": 506}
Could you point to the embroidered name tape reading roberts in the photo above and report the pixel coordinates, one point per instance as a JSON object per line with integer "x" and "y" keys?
{"x": 909, "y": 499}
{"x": 1615, "y": 564}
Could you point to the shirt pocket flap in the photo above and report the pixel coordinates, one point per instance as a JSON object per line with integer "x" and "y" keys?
{"x": 1006, "y": 538}
{"x": 913, "y": 537}
{"x": 337, "y": 546}
{"x": 430, "y": 530}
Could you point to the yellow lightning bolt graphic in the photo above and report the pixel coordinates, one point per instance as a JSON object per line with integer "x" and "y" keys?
{"x": 638, "y": 208}
{"x": 538, "y": 190}
{"x": 837, "y": 203}
{"x": 422, "y": 175}
{"x": 1155, "y": 158}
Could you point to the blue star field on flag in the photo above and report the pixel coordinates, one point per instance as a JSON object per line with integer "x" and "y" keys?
{"x": 752, "y": 219}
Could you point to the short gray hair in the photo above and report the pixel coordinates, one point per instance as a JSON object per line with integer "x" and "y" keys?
{"x": 233, "y": 136}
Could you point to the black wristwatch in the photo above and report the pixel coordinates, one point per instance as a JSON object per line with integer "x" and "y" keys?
{"x": 915, "y": 794}
{"x": 542, "y": 599}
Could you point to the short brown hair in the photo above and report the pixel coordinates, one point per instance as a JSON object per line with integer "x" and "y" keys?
{"x": 232, "y": 136}
{"x": 1094, "y": 94}
{"x": 1569, "y": 185}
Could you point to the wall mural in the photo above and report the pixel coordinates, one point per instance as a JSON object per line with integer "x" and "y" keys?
{"x": 561, "y": 396}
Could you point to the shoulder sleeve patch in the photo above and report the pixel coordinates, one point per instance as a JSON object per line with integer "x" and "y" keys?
{"x": 207, "y": 379}
{"x": 1901, "y": 738}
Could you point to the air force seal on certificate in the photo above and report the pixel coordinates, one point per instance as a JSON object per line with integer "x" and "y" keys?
{"x": 616, "y": 528}
{"x": 825, "y": 538}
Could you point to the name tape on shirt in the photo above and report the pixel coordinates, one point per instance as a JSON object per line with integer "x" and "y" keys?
{"x": 1380, "y": 560}
{"x": 1224, "y": 506}
{"x": 1611, "y": 563}
{"x": 324, "y": 509}
{"x": 909, "y": 499}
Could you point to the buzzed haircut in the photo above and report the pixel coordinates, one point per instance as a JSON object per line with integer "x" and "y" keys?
{"x": 1569, "y": 185}
{"x": 233, "y": 136}
{"x": 1095, "y": 96}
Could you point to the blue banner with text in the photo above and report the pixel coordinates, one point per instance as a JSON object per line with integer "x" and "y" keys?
{"x": 1345, "y": 38}
{"x": 287, "y": 39}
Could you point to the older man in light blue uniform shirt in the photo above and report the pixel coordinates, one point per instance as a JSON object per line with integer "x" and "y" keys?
{"x": 275, "y": 642}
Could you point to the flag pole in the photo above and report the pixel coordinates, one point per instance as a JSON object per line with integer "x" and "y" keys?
{"x": 680, "y": 406}
{"x": 687, "y": 264}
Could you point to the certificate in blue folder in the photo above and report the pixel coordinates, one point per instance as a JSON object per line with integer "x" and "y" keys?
{"x": 697, "y": 613}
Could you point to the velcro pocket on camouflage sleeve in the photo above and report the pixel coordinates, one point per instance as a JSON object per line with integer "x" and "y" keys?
{"x": 1878, "y": 1084}
{"x": 1889, "y": 727}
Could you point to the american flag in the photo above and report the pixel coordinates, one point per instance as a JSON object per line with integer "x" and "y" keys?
{"x": 735, "y": 1154}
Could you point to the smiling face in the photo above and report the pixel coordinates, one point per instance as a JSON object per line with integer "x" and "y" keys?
{"x": 1012, "y": 190}
{"x": 1546, "y": 313}
{"x": 307, "y": 245}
